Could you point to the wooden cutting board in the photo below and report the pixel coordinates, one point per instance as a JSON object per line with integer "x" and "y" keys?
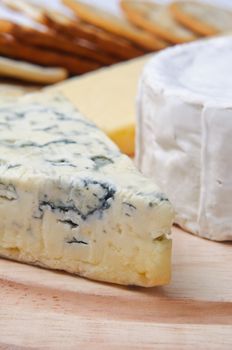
{"x": 53, "y": 310}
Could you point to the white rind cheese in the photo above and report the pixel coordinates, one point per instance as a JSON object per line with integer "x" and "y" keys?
{"x": 70, "y": 200}
{"x": 184, "y": 133}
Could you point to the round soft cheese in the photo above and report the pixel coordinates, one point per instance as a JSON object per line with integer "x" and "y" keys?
{"x": 184, "y": 133}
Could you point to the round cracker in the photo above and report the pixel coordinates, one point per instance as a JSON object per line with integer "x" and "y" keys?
{"x": 106, "y": 42}
{"x": 31, "y": 72}
{"x": 29, "y": 31}
{"x": 13, "y": 48}
{"x": 157, "y": 19}
{"x": 115, "y": 24}
{"x": 62, "y": 44}
{"x": 65, "y": 23}
{"x": 204, "y": 19}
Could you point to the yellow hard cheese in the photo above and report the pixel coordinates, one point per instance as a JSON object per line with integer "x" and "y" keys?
{"x": 107, "y": 97}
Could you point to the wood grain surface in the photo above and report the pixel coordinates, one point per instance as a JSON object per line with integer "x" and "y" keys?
{"x": 42, "y": 309}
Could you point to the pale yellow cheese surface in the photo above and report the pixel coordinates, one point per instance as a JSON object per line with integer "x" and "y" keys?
{"x": 107, "y": 97}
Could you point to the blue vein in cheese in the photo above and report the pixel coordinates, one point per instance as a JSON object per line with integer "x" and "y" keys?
{"x": 70, "y": 200}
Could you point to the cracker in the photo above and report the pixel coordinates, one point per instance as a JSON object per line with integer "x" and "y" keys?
{"x": 63, "y": 21}
{"x": 116, "y": 25}
{"x": 204, "y": 19}
{"x": 107, "y": 42}
{"x": 30, "y": 72}
{"x": 81, "y": 49}
{"x": 74, "y": 26}
{"x": 35, "y": 9}
{"x": 13, "y": 48}
{"x": 40, "y": 35}
{"x": 7, "y": 17}
{"x": 157, "y": 19}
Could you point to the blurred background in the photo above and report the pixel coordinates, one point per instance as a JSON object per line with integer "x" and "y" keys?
{"x": 43, "y": 42}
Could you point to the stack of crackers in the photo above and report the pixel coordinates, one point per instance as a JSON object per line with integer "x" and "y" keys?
{"x": 46, "y": 41}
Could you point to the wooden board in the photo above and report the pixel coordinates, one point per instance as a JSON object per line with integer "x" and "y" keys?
{"x": 54, "y": 310}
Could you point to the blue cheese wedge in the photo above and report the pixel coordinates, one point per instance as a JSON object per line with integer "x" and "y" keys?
{"x": 70, "y": 200}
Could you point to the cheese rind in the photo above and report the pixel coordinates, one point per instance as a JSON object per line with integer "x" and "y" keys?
{"x": 70, "y": 200}
{"x": 184, "y": 130}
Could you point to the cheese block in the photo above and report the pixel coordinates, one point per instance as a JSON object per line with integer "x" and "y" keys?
{"x": 185, "y": 131}
{"x": 70, "y": 200}
{"x": 107, "y": 97}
